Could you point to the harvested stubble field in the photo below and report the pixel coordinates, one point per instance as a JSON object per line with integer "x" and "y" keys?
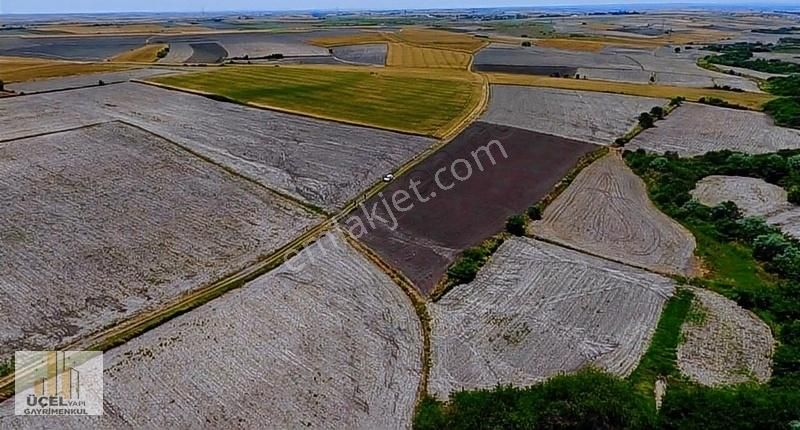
{"x": 83, "y": 48}
{"x": 368, "y": 53}
{"x": 695, "y": 129}
{"x": 326, "y": 340}
{"x": 749, "y": 100}
{"x": 321, "y": 162}
{"x": 606, "y": 211}
{"x": 143, "y": 54}
{"x": 18, "y": 69}
{"x": 536, "y": 310}
{"x": 444, "y": 222}
{"x": 439, "y": 39}
{"x": 755, "y": 197}
{"x": 105, "y": 221}
{"x": 724, "y": 343}
{"x": 403, "y": 55}
{"x": 540, "y": 61}
{"x": 594, "y": 117}
{"x": 86, "y": 80}
{"x": 428, "y": 106}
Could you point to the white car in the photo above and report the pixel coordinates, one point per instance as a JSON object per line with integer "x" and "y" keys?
{"x": 388, "y": 177}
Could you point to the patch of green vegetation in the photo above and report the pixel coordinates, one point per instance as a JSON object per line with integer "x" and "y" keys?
{"x": 659, "y": 360}
{"x": 466, "y": 268}
{"x": 384, "y": 99}
{"x": 6, "y": 367}
{"x": 741, "y": 55}
{"x": 785, "y": 111}
{"x": 523, "y": 28}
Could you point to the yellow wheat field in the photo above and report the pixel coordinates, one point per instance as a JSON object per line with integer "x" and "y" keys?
{"x": 403, "y": 55}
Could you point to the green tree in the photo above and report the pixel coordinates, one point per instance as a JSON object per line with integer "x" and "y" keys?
{"x": 535, "y": 212}
{"x": 794, "y": 194}
{"x": 516, "y": 225}
{"x": 767, "y": 247}
{"x": 646, "y": 120}
{"x": 657, "y": 112}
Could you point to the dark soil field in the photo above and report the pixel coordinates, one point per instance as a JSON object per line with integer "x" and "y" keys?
{"x": 526, "y": 70}
{"x": 207, "y": 52}
{"x": 373, "y": 53}
{"x": 429, "y": 236}
{"x": 71, "y": 48}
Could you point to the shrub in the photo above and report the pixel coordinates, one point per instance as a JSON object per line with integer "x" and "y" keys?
{"x": 516, "y": 225}
{"x": 657, "y": 112}
{"x": 752, "y": 227}
{"x": 535, "y": 212}
{"x": 767, "y": 247}
{"x": 646, "y": 120}
{"x": 2, "y": 85}
{"x": 794, "y": 195}
{"x": 677, "y": 101}
{"x": 526, "y": 43}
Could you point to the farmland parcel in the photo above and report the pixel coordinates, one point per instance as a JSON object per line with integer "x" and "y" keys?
{"x": 422, "y": 105}
{"x": 537, "y": 310}
{"x": 319, "y": 162}
{"x": 723, "y": 343}
{"x": 466, "y": 192}
{"x": 594, "y": 117}
{"x": 606, "y": 211}
{"x": 104, "y": 221}
{"x": 695, "y": 129}
{"x": 324, "y": 341}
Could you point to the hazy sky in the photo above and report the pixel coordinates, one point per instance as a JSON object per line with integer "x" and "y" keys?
{"x": 81, "y": 6}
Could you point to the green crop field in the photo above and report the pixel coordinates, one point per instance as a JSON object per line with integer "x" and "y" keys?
{"x": 408, "y": 102}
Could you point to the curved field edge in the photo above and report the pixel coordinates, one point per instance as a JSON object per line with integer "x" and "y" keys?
{"x": 17, "y": 69}
{"x": 387, "y": 100}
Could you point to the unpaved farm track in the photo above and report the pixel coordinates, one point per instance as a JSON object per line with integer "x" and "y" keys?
{"x": 695, "y": 129}
{"x": 606, "y": 211}
{"x": 325, "y": 341}
{"x": 724, "y": 343}
{"x": 536, "y": 310}
{"x": 106, "y": 221}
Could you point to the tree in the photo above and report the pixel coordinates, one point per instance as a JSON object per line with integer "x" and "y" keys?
{"x": 677, "y": 49}
{"x": 769, "y": 246}
{"x": 526, "y": 43}
{"x": 645, "y": 120}
{"x": 677, "y": 101}
{"x": 516, "y": 225}
{"x": 657, "y": 112}
{"x": 794, "y": 195}
{"x": 2, "y": 85}
{"x": 535, "y": 212}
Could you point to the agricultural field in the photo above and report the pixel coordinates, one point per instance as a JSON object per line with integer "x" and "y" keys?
{"x": 754, "y": 197}
{"x": 537, "y": 310}
{"x": 121, "y": 221}
{"x": 497, "y": 180}
{"x": 79, "y": 48}
{"x": 18, "y": 69}
{"x": 545, "y": 61}
{"x": 606, "y": 212}
{"x": 368, "y": 53}
{"x": 695, "y": 129}
{"x": 365, "y": 37}
{"x": 724, "y": 344}
{"x": 325, "y": 341}
{"x": 323, "y": 163}
{"x": 403, "y": 55}
{"x": 428, "y": 106}
{"x": 85, "y": 80}
{"x": 438, "y": 39}
{"x": 144, "y": 54}
{"x": 593, "y": 117}
{"x": 207, "y": 52}
{"x": 746, "y": 99}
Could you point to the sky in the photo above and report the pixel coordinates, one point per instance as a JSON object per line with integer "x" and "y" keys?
{"x": 94, "y": 6}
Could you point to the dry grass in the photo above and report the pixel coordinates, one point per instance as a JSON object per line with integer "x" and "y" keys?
{"x": 404, "y": 55}
{"x": 18, "y": 69}
{"x": 412, "y": 102}
{"x": 750, "y": 100}
{"x": 439, "y": 39}
{"x": 144, "y": 54}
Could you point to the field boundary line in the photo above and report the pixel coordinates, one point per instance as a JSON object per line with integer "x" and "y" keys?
{"x": 308, "y": 207}
{"x": 119, "y": 333}
{"x": 417, "y": 301}
{"x": 485, "y": 94}
{"x": 225, "y": 99}
{"x": 66, "y": 130}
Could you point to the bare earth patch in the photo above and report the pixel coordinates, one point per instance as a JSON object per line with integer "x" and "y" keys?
{"x": 593, "y": 117}
{"x": 105, "y": 221}
{"x": 724, "y": 344}
{"x": 755, "y": 197}
{"x": 695, "y": 129}
{"x": 536, "y": 310}
{"x": 606, "y": 211}
{"x": 327, "y": 340}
